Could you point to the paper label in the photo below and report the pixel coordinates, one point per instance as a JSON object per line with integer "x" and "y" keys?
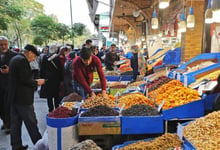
{"x": 178, "y": 76}
{"x": 174, "y": 74}
{"x": 161, "y": 105}
{"x": 185, "y": 81}
{"x": 180, "y": 131}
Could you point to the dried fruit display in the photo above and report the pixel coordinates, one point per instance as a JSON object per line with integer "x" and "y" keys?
{"x": 112, "y": 73}
{"x": 99, "y": 100}
{"x": 164, "y": 142}
{"x": 85, "y": 145}
{"x": 62, "y": 112}
{"x": 137, "y": 83}
{"x": 140, "y": 110}
{"x": 174, "y": 94}
{"x": 203, "y": 133}
{"x": 68, "y": 105}
{"x": 100, "y": 111}
{"x": 134, "y": 99}
{"x": 72, "y": 97}
{"x": 157, "y": 83}
{"x": 117, "y": 85}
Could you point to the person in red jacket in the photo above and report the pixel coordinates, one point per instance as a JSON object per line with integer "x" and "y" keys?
{"x": 83, "y": 68}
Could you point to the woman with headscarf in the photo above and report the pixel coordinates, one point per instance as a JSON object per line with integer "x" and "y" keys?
{"x": 52, "y": 70}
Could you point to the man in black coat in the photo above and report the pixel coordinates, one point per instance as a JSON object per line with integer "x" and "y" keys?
{"x": 5, "y": 57}
{"x": 21, "y": 95}
{"x": 111, "y": 58}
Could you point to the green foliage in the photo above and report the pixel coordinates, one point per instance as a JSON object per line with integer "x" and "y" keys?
{"x": 62, "y": 31}
{"x": 78, "y": 29}
{"x": 44, "y": 27}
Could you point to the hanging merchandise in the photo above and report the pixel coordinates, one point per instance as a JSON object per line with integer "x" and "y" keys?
{"x": 164, "y": 4}
{"x": 182, "y": 24}
{"x": 154, "y": 20}
{"x": 216, "y": 10}
{"x": 208, "y": 14}
{"x": 191, "y": 18}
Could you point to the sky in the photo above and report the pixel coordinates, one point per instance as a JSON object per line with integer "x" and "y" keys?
{"x": 61, "y": 8}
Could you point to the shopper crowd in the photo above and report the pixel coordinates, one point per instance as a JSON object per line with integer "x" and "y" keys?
{"x": 55, "y": 72}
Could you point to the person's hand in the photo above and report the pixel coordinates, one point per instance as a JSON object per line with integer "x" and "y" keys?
{"x": 104, "y": 94}
{"x": 92, "y": 95}
{"x": 40, "y": 81}
{"x": 115, "y": 63}
{"x": 5, "y": 70}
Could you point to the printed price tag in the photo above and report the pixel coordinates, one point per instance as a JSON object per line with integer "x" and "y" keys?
{"x": 167, "y": 71}
{"x": 146, "y": 92}
{"x": 174, "y": 74}
{"x": 185, "y": 80}
{"x": 117, "y": 96}
{"x": 180, "y": 131}
{"x": 178, "y": 76}
{"x": 160, "y": 106}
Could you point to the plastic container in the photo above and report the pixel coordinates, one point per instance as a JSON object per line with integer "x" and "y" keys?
{"x": 62, "y": 132}
{"x": 193, "y": 109}
{"x": 126, "y": 77}
{"x": 142, "y": 124}
{"x": 112, "y": 78}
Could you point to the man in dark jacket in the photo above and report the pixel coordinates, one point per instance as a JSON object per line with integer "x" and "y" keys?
{"x": 134, "y": 61}
{"x": 111, "y": 58}
{"x": 5, "y": 57}
{"x": 21, "y": 95}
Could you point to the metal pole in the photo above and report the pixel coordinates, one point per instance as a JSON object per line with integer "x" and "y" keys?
{"x": 72, "y": 33}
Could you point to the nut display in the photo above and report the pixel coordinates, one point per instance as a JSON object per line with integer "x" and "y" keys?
{"x": 164, "y": 142}
{"x": 99, "y": 100}
{"x": 86, "y": 145}
{"x": 203, "y": 133}
{"x": 68, "y": 105}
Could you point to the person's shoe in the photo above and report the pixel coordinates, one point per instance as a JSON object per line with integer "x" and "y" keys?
{"x": 21, "y": 148}
{"x": 7, "y": 131}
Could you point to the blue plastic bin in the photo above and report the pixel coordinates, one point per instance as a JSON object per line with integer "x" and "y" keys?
{"x": 193, "y": 109}
{"x": 126, "y": 78}
{"x": 58, "y": 132}
{"x": 142, "y": 124}
{"x": 112, "y": 78}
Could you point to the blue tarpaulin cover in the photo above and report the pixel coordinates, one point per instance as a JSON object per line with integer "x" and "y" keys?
{"x": 172, "y": 57}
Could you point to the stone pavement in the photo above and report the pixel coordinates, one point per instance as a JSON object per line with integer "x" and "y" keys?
{"x": 41, "y": 110}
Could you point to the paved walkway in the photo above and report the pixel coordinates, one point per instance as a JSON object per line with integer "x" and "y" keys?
{"x": 41, "y": 110}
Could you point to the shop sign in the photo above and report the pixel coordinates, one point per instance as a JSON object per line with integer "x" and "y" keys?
{"x": 104, "y": 28}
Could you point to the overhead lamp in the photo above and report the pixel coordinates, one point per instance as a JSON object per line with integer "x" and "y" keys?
{"x": 164, "y": 4}
{"x": 208, "y": 14}
{"x": 216, "y": 10}
{"x": 182, "y": 24}
{"x": 136, "y": 13}
{"x": 154, "y": 20}
{"x": 191, "y": 18}
{"x": 143, "y": 37}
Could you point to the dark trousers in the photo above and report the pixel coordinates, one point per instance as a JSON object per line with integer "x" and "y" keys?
{"x": 26, "y": 114}
{"x": 53, "y": 102}
{"x": 5, "y": 108}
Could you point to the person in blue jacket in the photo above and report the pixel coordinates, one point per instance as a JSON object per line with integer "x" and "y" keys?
{"x": 134, "y": 61}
